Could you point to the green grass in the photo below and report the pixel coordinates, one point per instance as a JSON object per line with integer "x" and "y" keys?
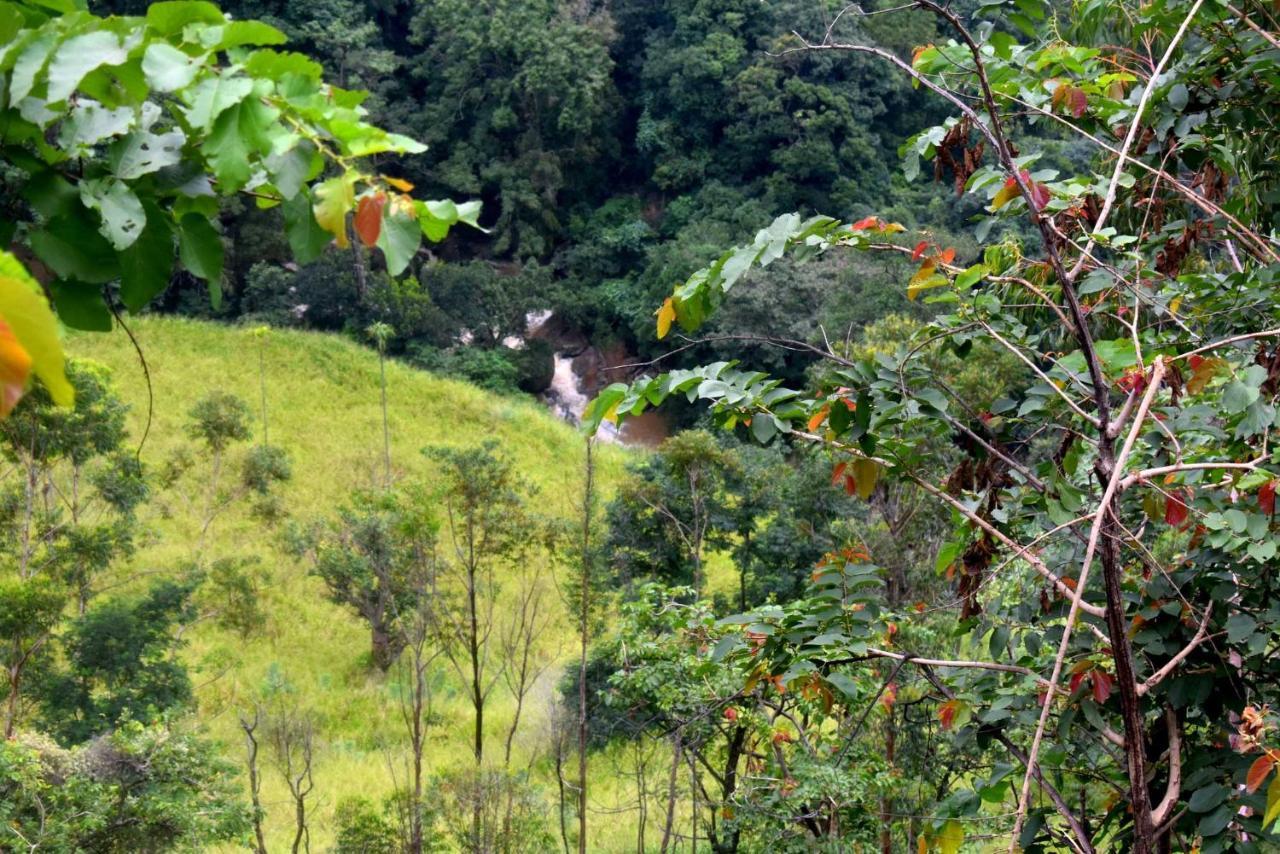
{"x": 323, "y": 405}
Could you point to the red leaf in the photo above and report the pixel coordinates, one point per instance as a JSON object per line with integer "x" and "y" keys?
{"x": 1076, "y": 681}
{"x": 1101, "y": 681}
{"x": 1267, "y": 497}
{"x": 918, "y": 252}
{"x": 947, "y": 714}
{"x": 1079, "y": 101}
{"x": 837, "y": 473}
{"x": 1039, "y": 195}
{"x": 368, "y": 221}
{"x": 890, "y": 695}
{"x": 1258, "y": 772}
{"x": 850, "y": 485}
{"x": 1175, "y": 510}
{"x": 870, "y": 222}
{"x": 947, "y": 256}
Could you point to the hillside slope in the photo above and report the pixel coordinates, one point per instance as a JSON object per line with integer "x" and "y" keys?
{"x": 323, "y": 407}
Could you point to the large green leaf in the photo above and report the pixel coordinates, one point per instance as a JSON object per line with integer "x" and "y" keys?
{"x": 145, "y": 266}
{"x": 238, "y": 135}
{"x": 170, "y": 18}
{"x": 200, "y": 248}
{"x": 120, "y": 208}
{"x": 399, "y": 238}
{"x": 168, "y": 69}
{"x": 81, "y": 306}
{"x": 28, "y": 65}
{"x": 142, "y": 152}
{"x": 73, "y": 249}
{"x": 79, "y": 55}
{"x": 306, "y": 238}
{"x": 211, "y": 97}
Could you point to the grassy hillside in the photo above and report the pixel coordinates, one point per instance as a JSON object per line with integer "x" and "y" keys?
{"x": 323, "y": 406}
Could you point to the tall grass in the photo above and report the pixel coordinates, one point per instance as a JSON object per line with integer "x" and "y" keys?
{"x": 323, "y": 397}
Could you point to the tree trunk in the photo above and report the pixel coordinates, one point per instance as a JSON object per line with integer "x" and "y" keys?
{"x": 670, "y": 820}
{"x": 584, "y": 628}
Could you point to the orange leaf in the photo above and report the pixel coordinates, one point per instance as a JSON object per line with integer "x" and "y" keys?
{"x": 837, "y": 473}
{"x": 818, "y": 417}
{"x": 368, "y": 221}
{"x": 918, "y": 252}
{"x": 948, "y": 255}
{"x": 15, "y": 368}
{"x": 1258, "y": 772}
{"x": 866, "y": 223}
{"x": 947, "y": 713}
{"x": 850, "y": 485}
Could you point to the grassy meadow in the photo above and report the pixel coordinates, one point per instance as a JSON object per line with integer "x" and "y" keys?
{"x": 323, "y": 407}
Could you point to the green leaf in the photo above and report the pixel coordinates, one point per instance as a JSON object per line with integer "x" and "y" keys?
{"x": 469, "y": 213}
{"x": 214, "y": 95}
{"x": 81, "y": 306}
{"x": 307, "y": 239}
{"x": 79, "y": 55}
{"x": 292, "y": 168}
{"x": 200, "y": 248}
{"x": 122, "y": 215}
{"x": 276, "y": 65}
{"x": 74, "y": 249}
{"x": 399, "y": 238}
{"x": 142, "y": 152}
{"x": 240, "y": 33}
{"x": 28, "y": 65}
{"x": 145, "y": 266}
{"x": 170, "y": 18}
{"x": 1237, "y": 396}
{"x": 1207, "y": 798}
{"x": 971, "y": 276}
{"x": 168, "y": 69}
{"x": 238, "y": 134}
{"x": 1217, "y": 821}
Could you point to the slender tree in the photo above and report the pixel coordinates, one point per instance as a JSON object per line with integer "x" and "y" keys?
{"x": 381, "y": 333}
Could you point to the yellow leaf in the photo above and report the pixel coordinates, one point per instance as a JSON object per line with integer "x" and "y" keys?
{"x": 32, "y": 323}
{"x": 1008, "y": 193}
{"x": 399, "y": 183}
{"x": 951, "y": 838}
{"x": 666, "y": 315}
{"x": 334, "y": 200}
{"x": 924, "y": 284}
{"x": 1273, "y": 802}
{"x": 865, "y": 474}
{"x": 1175, "y": 304}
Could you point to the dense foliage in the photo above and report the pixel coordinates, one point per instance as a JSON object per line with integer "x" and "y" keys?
{"x": 985, "y": 547}
{"x": 1136, "y": 444}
